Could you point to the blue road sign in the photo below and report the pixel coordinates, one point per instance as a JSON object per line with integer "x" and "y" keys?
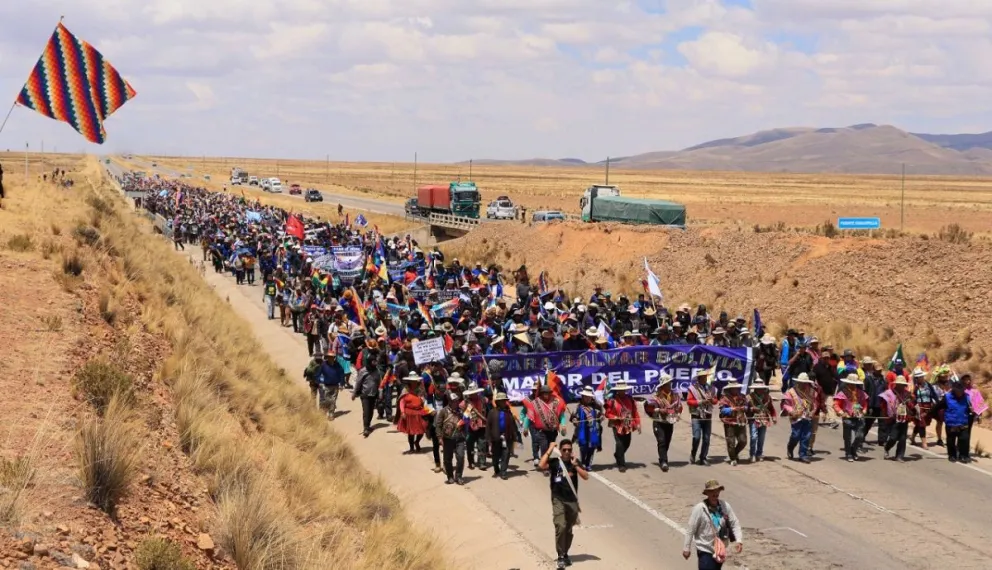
{"x": 859, "y": 223}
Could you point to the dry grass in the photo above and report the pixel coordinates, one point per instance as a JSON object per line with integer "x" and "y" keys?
{"x": 72, "y": 264}
{"x": 289, "y": 490}
{"x": 53, "y": 323}
{"x": 100, "y": 382}
{"x": 109, "y": 452}
{"x": 20, "y": 242}
{"x": 107, "y": 311}
{"x": 15, "y": 476}
{"x": 711, "y": 197}
{"x": 161, "y": 554}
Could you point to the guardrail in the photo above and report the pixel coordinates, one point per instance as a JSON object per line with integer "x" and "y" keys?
{"x": 446, "y": 221}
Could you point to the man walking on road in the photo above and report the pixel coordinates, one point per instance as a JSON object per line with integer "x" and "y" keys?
{"x": 453, "y": 430}
{"x": 367, "y": 387}
{"x": 712, "y": 526}
{"x": 565, "y": 471}
{"x": 701, "y": 399}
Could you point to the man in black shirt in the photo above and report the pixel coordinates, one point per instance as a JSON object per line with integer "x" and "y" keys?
{"x": 565, "y": 470}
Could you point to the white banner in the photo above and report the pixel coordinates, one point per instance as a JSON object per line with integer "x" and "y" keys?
{"x": 431, "y": 350}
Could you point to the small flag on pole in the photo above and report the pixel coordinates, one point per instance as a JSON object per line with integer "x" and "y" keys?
{"x": 73, "y": 83}
{"x": 360, "y": 221}
{"x": 654, "y": 284}
{"x": 897, "y": 356}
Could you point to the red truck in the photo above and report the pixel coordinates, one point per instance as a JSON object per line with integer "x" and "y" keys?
{"x": 433, "y": 197}
{"x": 458, "y": 198}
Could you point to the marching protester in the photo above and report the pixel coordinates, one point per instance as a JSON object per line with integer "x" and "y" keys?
{"x": 452, "y": 429}
{"x": 623, "y": 417}
{"x": 412, "y": 412}
{"x": 501, "y": 432}
{"x": 956, "y": 406}
{"x": 733, "y": 414}
{"x": 587, "y": 420}
{"x": 367, "y": 388}
{"x": 664, "y": 409}
{"x": 701, "y": 399}
{"x": 924, "y": 398}
{"x": 564, "y": 470}
{"x": 761, "y": 414}
{"x": 712, "y": 527}
{"x": 897, "y": 409}
{"x": 799, "y": 404}
{"x": 850, "y": 404}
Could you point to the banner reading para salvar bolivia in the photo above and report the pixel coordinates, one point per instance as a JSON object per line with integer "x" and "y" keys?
{"x": 640, "y": 366}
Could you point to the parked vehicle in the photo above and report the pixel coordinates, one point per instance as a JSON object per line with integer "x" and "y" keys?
{"x": 275, "y": 186}
{"x": 295, "y": 189}
{"x": 547, "y": 216}
{"x": 313, "y": 195}
{"x": 457, "y": 198}
{"x": 411, "y": 207}
{"x": 266, "y": 184}
{"x": 605, "y": 204}
{"x": 501, "y": 209}
{"x": 235, "y": 181}
{"x": 253, "y": 180}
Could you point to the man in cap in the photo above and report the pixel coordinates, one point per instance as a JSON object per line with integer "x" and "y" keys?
{"x": 850, "y": 404}
{"x": 501, "y": 432}
{"x": 701, "y": 399}
{"x": 712, "y": 527}
{"x": 622, "y": 415}
{"x": 799, "y": 404}
{"x": 957, "y": 409}
{"x": 453, "y": 430}
{"x": 664, "y": 409}
{"x": 897, "y": 409}
{"x": 924, "y": 397}
{"x": 875, "y": 386}
{"x": 800, "y": 362}
{"x": 564, "y": 470}
{"x": 733, "y": 414}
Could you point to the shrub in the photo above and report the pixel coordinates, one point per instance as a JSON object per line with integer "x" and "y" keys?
{"x": 953, "y": 233}
{"x": 106, "y": 311}
{"x": 72, "y": 264}
{"x": 52, "y": 322}
{"x": 827, "y": 229}
{"x": 108, "y": 452}
{"x": 84, "y": 234}
{"x": 48, "y": 247}
{"x": 254, "y": 528}
{"x": 20, "y": 242}
{"x": 56, "y": 229}
{"x": 100, "y": 381}
{"x": 161, "y": 554}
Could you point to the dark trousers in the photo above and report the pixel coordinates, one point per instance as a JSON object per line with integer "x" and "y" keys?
{"x": 414, "y": 440}
{"x": 958, "y": 442}
{"x": 663, "y": 435}
{"x": 313, "y": 344}
{"x": 543, "y": 438}
{"x": 432, "y": 434}
{"x": 368, "y": 407}
{"x": 701, "y": 430}
{"x": 586, "y": 454}
{"x": 454, "y": 458}
{"x": 501, "y": 456}
{"x": 736, "y": 436}
{"x": 873, "y": 413}
{"x": 564, "y": 514}
{"x": 250, "y": 274}
{"x": 897, "y": 434}
{"x": 853, "y": 436}
{"x": 477, "y": 446}
{"x": 385, "y": 405}
{"x": 622, "y": 445}
{"x": 707, "y": 562}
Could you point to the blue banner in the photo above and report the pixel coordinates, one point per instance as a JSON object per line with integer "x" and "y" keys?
{"x": 639, "y": 366}
{"x": 397, "y": 269}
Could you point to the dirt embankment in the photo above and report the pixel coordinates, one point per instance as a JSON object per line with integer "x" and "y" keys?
{"x": 143, "y": 427}
{"x": 859, "y": 293}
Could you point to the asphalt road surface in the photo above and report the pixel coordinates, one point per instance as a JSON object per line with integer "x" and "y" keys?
{"x": 925, "y": 513}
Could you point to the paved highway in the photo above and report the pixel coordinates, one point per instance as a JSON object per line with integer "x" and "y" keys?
{"x": 925, "y": 513}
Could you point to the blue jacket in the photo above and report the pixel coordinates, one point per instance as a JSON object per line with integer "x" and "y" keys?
{"x": 587, "y": 433}
{"x": 330, "y": 374}
{"x": 956, "y": 410}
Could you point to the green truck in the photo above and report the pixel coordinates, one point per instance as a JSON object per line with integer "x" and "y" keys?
{"x": 457, "y": 198}
{"x": 605, "y": 204}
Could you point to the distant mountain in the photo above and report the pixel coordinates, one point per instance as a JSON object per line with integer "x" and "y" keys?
{"x": 865, "y": 148}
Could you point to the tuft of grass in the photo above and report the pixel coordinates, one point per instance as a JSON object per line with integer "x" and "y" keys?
{"x": 52, "y": 322}
{"x": 108, "y": 451}
{"x": 254, "y": 529}
{"x": 15, "y": 476}
{"x": 108, "y": 313}
{"x": 56, "y": 229}
{"x": 161, "y": 554}
{"x": 101, "y": 382}
{"x": 954, "y": 233}
{"x": 84, "y": 234}
{"x": 20, "y": 242}
{"x": 827, "y": 229}
{"x": 72, "y": 264}
{"x": 49, "y": 247}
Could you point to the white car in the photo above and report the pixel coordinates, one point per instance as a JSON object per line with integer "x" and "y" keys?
{"x": 275, "y": 186}
{"x": 266, "y": 184}
{"x": 501, "y": 210}
{"x": 235, "y": 181}
{"x": 253, "y": 180}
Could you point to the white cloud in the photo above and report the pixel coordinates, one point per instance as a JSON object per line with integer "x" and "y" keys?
{"x": 452, "y": 79}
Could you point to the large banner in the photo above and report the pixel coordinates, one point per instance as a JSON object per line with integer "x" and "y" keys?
{"x": 639, "y": 366}
{"x": 442, "y": 295}
{"x": 397, "y": 269}
{"x": 348, "y": 263}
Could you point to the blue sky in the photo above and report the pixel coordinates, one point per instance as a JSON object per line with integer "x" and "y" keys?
{"x": 459, "y": 79}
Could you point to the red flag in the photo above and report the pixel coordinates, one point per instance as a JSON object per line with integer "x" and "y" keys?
{"x": 294, "y": 227}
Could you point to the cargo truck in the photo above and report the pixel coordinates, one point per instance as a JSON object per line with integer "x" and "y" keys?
{"x": 457, "y": 198}
{"x": 605, "y": 204}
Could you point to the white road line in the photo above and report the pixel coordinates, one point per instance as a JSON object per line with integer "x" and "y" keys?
{"x": 593, "y": 526}
{"x": 783, "y": 528}
{"x": 965, "y": 465}
{"x": 643, "y": 506}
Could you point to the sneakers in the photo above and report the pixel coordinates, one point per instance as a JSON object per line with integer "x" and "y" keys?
{"x": 804, "y": 460}
{"x": 664, "y": 468}
{"x": 449, "y": 481}
{"x": 733, "y": 463}
{"x": 459, "y": 481}
{"x": 568, "y": 561}
{"x": 791, "y": 454}
{"x": 849, "y": 458}
{"x": 561, "y": 563}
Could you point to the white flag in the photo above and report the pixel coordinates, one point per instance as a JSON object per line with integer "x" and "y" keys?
{"x": 654, "y": 285}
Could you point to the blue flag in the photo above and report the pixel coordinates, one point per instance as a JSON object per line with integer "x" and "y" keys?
{"x": 361, "y": 221}
{"x": 758, "y": 327}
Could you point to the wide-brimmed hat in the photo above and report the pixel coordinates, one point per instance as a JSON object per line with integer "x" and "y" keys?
{"x": 549, "y": 306}
{"x": 473, "y": 389}
{"x": 380, "y": 331}
{"x": 711, "y": 486}
{"x": 768, "y": 339}
{"x": 664, "y": 380}
{"x": 803, "y": 378}
{"x": 621, "y": 386}
{"x": 702, "y": 372}
{"x": 500, "y": 397}
{"x": 544, "y": 389}
{"x": 456, "y": 378}
{"x": 479, "y": 330}
{"x": 592, "y": 332}
{"x": 758, "y": 385}
{"x": 852, "y": 379}
{"x": 900, "y": 381}
{"x": 412, "y": 377}
{"x": 868, "y": 360}
{"x": 587, "y": 391}
{"x": 719, "y": 330}
{"x": 520, "y": 328}
{"x": 919, "y": 373}
{"x": 733, "y": 385}
{"x": 650, "y": 312}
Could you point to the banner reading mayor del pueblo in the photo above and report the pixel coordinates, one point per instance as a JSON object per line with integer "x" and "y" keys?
{"x": 640, "y": 366}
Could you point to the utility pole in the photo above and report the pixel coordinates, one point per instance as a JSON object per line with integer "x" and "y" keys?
{"x": 902, "y": 210}
{"x": 415, "y": 172}
{"x": 607, "y": 171}
{"x": 392, "y": 176}
{"x": 327, "y": 168}
{"x": 26, "y": 163}
{"x": 470, "y": 169}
